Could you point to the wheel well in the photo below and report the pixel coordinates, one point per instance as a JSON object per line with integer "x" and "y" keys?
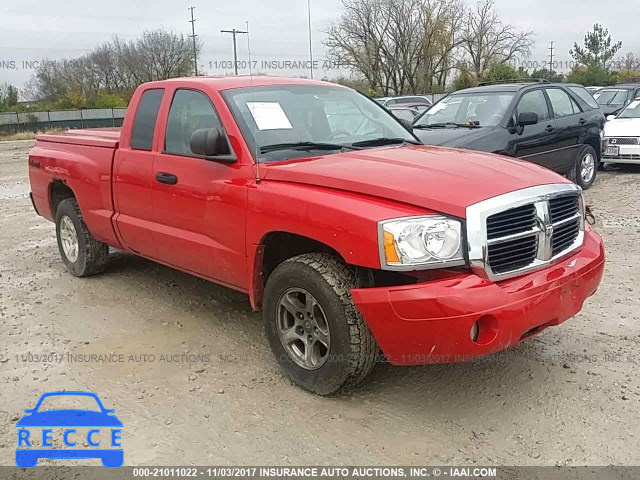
{"x": 280, "y": 246}
{"x": 276, "y": 247}
{"x": 597, "y": 146}
{"x": 58, "y": 192}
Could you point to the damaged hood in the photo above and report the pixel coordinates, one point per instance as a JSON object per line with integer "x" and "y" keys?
{"x": 435, "y": 178}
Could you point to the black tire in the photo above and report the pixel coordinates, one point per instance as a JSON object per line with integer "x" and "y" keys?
{"x": 353, "y": 350}
{"x": 576, "y": 174}
{"x": 92, "y": 255}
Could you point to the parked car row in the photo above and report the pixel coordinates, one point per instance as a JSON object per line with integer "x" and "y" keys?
{"x": 559, "y": 126}
{"x": 622, "y": 136}
{"x": 414, "y": 100}
{"x": 555, "y": 125}
{"x": 407, "y": 107}
{"x": 613, "y": 99}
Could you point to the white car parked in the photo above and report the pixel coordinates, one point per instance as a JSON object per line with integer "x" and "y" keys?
{"x": 622, "y": 136}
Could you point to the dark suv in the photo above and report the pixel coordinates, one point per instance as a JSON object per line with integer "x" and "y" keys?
{"x": 558, "y": 126}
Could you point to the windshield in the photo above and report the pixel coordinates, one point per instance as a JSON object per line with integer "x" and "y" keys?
{"x": 485, "y": 110}
{"x": 282, "y": 122}
{"x": 611, "y": 96}
{"x": 632, "y": 111}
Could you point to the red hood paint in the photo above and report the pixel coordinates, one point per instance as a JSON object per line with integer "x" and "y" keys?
{"x": 441, "y": 179}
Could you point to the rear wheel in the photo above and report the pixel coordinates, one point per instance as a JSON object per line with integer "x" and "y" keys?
{"x": 313, "y": 327}
{"x": 81, "y": 253}
{"x": 586, "y": 167}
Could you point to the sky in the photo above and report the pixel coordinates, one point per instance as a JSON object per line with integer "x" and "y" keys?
{"x": 32, "y": 30}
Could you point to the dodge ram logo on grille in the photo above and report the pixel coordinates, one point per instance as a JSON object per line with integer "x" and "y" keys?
{"x": 540, "y": 224}
{"x": 548, "y": 230}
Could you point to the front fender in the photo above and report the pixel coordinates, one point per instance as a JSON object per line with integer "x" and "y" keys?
{"x": 344, "y": 221}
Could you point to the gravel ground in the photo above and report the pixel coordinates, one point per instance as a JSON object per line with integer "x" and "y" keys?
{"x": 195, "y": 383}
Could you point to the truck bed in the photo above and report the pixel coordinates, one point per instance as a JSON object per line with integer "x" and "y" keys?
{"x": 80, "y": 160}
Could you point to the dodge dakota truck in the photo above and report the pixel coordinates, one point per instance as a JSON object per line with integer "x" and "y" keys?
{"x": 355, "y": 241}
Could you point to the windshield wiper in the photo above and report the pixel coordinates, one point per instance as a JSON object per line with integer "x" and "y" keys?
{"x": 379, "y": 142}
{"x": 446, "y": 125}
{"x": 304, "y": 146}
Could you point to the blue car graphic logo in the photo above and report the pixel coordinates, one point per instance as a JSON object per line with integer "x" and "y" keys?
{"x": 103, "y": 430}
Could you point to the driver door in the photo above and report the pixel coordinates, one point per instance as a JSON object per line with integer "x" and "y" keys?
{"x": 199, "y": 205}
{"x": 535, "y": 143}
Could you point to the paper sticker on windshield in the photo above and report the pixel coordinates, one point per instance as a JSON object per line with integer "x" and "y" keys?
{"x": 269, "y": 116}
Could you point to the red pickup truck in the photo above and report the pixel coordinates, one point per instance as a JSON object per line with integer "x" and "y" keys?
{"x": 351, "y": 237}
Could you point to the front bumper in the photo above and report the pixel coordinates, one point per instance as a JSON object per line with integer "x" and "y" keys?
{"x": 627, "y": 154}
{"x": 431, "y": 322}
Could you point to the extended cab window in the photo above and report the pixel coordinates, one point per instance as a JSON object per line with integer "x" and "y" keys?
{"x": 535, "y": 102}
{"x": 190, "y": 111}
{"x": 144, "y": 123}
{"x": 562, "y": 104}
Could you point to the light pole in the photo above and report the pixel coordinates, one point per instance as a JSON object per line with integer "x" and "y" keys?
{"x": 193, "y": 35}
{"x": 310, "y": 39}
{"x": 235, "y": 33}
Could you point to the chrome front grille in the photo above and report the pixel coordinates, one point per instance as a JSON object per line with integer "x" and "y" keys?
{"x": 524, "y": 230}
{"x": 513, "y": 254}
{"x": 564, "y": 207}
{"x": 566, "y": 218}
{"x": 511, "y": 222}
{"x": 512, "y": 239}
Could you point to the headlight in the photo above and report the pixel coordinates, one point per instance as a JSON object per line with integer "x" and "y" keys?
{"x": 420, "y": 242}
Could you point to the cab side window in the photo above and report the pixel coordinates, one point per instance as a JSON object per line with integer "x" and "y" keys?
{"x": 190, "y": 111}
{"x": 562, "y": 104}
{"x": 144, "y": 123}
{"x": 535, "y": 102}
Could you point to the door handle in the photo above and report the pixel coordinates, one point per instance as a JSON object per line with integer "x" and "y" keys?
{"x": 166, "y": 178}
{"x": 582, "y": 121}
{"x": 550, "y": 128}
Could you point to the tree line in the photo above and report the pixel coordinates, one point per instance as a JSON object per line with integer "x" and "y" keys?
{"x": 429, "y": 46}
{"x": 107, "y": 76}
{"x": 412, "y": 46}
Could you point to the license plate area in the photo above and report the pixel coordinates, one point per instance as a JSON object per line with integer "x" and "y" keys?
{"x": 613, "y": 151}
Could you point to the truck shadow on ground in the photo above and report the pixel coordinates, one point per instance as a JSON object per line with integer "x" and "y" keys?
{"x": 450, "y": 386}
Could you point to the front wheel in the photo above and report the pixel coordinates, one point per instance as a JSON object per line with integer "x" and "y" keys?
{"x": 314, "y": 329}
{"x": 586, "y": 167}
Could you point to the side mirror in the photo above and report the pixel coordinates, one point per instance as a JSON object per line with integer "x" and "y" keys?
{"x": 610, "y": 117}
{"x": 210, "y": 142}
{"x": 527, "y": 118}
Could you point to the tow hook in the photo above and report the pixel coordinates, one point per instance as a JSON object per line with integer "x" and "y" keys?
{"x": 589, "y": 216}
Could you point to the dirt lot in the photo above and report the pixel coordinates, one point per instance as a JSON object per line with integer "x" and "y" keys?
{"x": 570, "y": 396}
